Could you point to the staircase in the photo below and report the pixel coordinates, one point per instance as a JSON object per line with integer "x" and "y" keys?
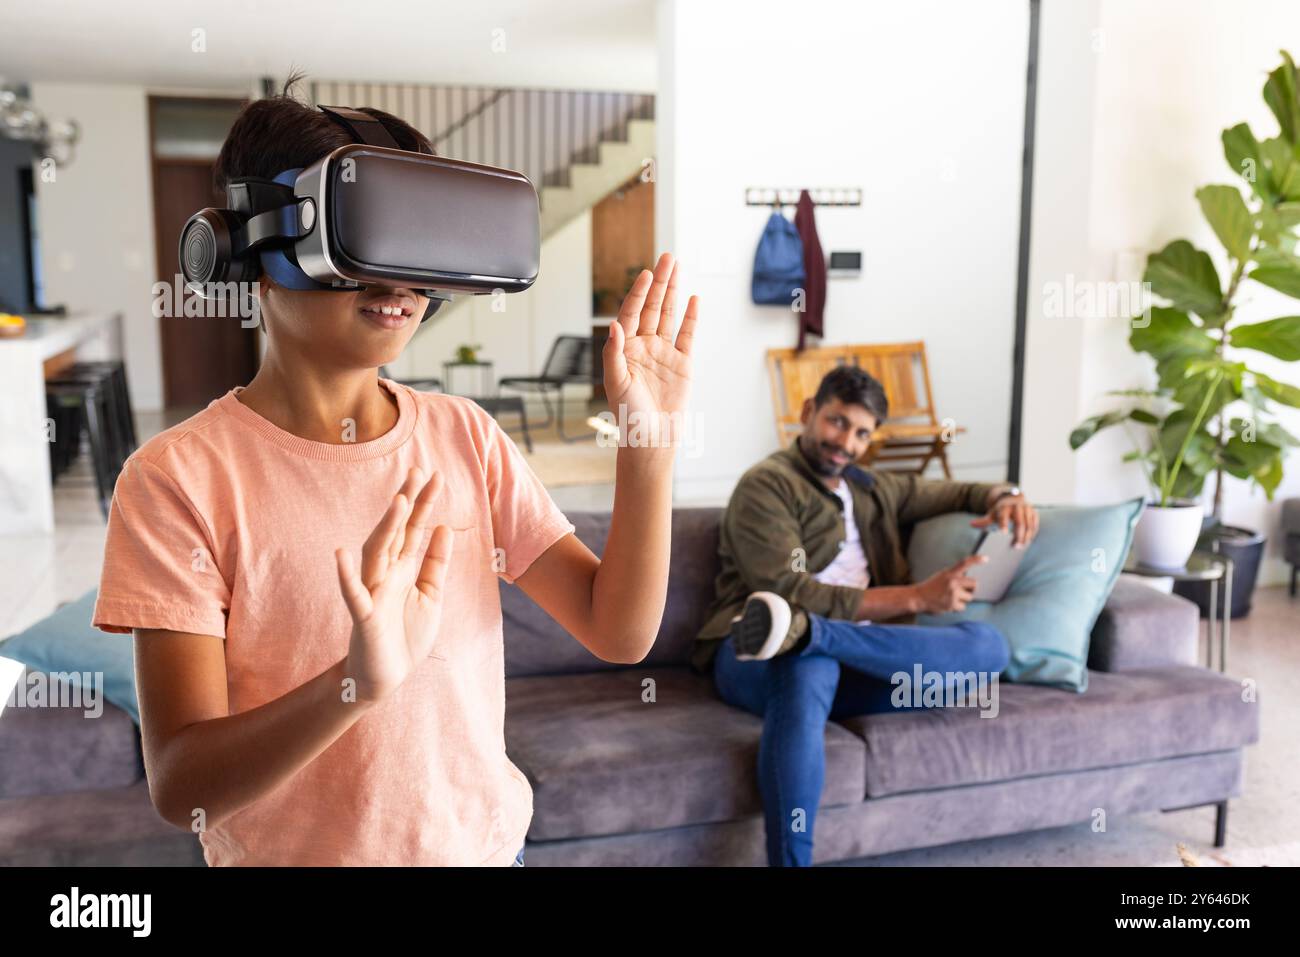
{"x": 576, "y": 146}
{"x": 593, "y": 178}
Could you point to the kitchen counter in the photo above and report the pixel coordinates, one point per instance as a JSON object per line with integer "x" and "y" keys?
{"x": 26, "y": 499}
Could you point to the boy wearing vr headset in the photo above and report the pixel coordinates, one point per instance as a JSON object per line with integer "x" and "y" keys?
{"x": 310, "y": 564}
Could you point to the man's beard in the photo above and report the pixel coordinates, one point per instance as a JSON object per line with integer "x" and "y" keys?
{"x": 812, "y": 454}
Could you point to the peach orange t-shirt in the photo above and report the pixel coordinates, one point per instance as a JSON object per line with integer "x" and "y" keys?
{"x": 226, "y": 525}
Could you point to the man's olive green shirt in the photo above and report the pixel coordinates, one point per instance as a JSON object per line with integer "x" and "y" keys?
{"x": 783, "y": 526}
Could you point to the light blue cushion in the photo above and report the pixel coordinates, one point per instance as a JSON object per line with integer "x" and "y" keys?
{"x": 66, "y": 642}
{"x": 1059, "y": 590}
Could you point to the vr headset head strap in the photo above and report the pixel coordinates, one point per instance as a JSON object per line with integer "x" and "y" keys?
{"x": 252, "y": 194}
{"x": 362, "y": 127}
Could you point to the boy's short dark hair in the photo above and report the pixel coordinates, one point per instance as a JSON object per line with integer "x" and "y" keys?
{"x": 852, "y": 385}
{"x": 281, "y": 132}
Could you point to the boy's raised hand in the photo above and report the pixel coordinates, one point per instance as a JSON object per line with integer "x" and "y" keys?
{"x": 647, "y": 358}
{"x": 396, "y": 600}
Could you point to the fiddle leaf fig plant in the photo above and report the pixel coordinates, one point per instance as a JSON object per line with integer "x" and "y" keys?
{"x": 1210, "y": 414}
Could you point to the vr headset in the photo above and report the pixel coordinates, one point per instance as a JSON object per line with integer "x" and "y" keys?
{"x": 370, "y": 213}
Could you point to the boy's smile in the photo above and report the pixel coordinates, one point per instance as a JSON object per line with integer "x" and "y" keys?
{"x": 388, "y": 311}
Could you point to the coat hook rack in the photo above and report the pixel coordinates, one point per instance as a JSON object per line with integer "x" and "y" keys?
{"x": 766, "y": 196}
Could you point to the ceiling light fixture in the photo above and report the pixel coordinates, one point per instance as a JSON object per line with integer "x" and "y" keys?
{"x": 20, "y": 120}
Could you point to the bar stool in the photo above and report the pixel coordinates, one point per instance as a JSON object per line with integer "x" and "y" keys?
{"x": 89, "y": 399}
{"x": 92, "y": 397}
{"x": 119, "y": 399}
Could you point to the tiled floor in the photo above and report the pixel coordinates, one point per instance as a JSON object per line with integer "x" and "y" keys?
{"x": 38, "y": 573}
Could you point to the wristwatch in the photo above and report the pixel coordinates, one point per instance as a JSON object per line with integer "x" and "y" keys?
{"x": 1012, "y": 491}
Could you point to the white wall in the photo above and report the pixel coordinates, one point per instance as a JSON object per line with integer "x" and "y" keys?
{"x": 562, "y": 44}
{"x": 921, "y": 105}
{"x": 96, "y": 221}
{"x": 1167, "y": 77}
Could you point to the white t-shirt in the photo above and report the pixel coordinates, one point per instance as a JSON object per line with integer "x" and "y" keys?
{"x": 850, "y": 565}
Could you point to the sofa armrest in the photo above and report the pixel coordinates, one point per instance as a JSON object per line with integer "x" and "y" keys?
{"x": 1141, "y": 627}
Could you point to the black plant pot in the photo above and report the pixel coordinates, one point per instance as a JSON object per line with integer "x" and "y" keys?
{"x": 1245, "y": 549}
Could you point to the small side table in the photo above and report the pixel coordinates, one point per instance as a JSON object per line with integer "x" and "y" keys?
{"x": 486, "y": 384}
{"x": 1216, "y": 572}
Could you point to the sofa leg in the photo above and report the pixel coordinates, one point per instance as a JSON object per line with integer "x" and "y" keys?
{"x": 1220, "y": 819}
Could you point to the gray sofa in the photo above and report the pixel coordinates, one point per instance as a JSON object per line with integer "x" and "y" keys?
{"x": 1291, "y": 541}
{"x": 645, "y": 765}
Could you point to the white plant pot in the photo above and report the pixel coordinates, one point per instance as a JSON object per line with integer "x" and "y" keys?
{"x": 1165, "y": 537}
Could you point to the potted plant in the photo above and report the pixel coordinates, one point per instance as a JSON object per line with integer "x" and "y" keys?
{"x": 1216, "y": 419}
{"x": 1172, "y": 457}
{"x": 467, "y": 355}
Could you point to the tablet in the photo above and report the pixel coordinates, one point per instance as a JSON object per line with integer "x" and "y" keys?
{"x": 994, "y": 577}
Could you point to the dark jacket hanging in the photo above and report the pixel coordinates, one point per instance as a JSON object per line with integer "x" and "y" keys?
{"x": 814, "y": 265}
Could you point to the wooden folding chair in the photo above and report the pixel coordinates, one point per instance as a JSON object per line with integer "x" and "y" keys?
{"x": 912, "y": 434}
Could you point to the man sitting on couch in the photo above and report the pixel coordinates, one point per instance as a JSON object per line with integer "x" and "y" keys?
{"x": 794, "y": 634}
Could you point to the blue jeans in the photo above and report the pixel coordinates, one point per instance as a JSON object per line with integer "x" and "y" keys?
{"x": 843, "y": 671}
{"x": 519, "y": 858}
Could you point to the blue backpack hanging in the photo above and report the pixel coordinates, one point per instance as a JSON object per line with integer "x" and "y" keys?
{"x": 778, "y": 263}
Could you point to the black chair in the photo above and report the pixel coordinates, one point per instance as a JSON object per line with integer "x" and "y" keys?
{"x": 491, "y": 404}
{"x": 495, "y": 405}
{"x": 572, "y": 360}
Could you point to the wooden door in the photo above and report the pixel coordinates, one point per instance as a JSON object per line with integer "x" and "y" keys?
{"x": 203, "y": 358}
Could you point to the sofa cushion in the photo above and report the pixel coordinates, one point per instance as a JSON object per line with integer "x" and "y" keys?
{"x": 1124, "y": 718}
{"x": 1059, "y": 590}
{"x": 1142, "y": 627}
{"x": 536, "y": 645}
{"x": 53, "y": 750}
{"x": 115, "y": 827}
{"x": 603, "y": 760}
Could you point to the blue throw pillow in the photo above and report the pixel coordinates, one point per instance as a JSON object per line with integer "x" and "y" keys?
{"x": 1059, "y": 590}
{"x": 67, "y": 642}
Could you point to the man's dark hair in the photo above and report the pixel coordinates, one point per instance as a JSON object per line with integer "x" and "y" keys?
{"x": 281, "y": 132}
{"x": 852, "y": 385}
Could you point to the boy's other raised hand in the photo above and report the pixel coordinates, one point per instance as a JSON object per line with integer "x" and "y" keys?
{"x": 647, "y": 357}
{"x": 396, "y": 599}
